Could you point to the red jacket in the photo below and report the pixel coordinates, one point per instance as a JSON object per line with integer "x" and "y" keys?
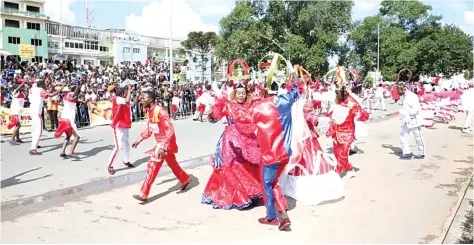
{"x": 160, "y": 125}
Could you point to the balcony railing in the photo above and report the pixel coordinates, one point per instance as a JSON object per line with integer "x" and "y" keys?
{"x": 26, "y": 13}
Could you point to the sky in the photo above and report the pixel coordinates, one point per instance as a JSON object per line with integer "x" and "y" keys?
{"x": 152, "y": 17}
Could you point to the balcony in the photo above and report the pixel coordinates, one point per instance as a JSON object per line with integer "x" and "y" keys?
{"x": 24, "y": 13}
{"x": 76, "y": 32}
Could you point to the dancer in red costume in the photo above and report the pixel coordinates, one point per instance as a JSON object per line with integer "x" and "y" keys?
{"x": 160, "y": 126}
{"x": 121, "y": 124}
{"x": 272, "y": 116}
{"x": 235, "y": 181}
{"x": 343, "y": 133}
{"x": 16, "y": 108}
{"x": 67, "y": 123}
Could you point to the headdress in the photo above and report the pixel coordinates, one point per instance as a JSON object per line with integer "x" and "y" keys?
{"x": 403, "y": 84}
{"x": 238, "y": 81}
{"x": 341, "y": 80}
{"x": 273, "y": 67}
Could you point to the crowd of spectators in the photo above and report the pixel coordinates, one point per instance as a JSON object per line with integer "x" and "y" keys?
{"x": 98, "y": 83}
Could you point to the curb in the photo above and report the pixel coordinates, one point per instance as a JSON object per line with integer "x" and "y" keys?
{"x": 102, "y": 185}
{"x": 454, "y": 229}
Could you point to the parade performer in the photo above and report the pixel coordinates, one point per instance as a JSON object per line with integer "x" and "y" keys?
{"x": 160, "y": 126}
{"x": 121, "y": 124}
{"x": 37, "y": 96}
{"x": 467, "y": 100}
{"x": 428, "y": 108}
{"x": 16, "y": 109}
{"x": 235, "y": 182}
{"x": 411, "y": 122}
{"x": 203, "y": 103}
{"x": 67, "y": 123}
{"x": 273, "y": 119}
{"x": 174, "y": 105}
{"x": 309, "y": 176}
{"x": 342, "y": 127}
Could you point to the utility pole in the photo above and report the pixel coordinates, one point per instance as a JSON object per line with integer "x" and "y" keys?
{"x": 378, "y": 52}
{"x": 61, "y": 27}
{"x": 171, "y": 44}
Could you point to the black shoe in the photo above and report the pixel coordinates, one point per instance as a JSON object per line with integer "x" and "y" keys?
{"x": 352, "y": 152}
{"x": 19, "y": 141}
{"x": 63, "y": 155}
{"x": 128, "y": 164}
{"x": 39, "y": 147}
{"x": 419, "y": 157}
{"x": 406, "y": 157}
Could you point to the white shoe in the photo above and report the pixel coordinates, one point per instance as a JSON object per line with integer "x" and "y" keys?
{"x": 349, "y": 175}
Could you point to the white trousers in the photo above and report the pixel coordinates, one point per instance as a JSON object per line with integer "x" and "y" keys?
{"x": 36, "y": 130}
{"x": 405, "y": 143}
{"x": 121, "y": 139}
{"x": 366, "y": 104}
{"x": 469, "y": 121}
{"x": 379, "y": 101}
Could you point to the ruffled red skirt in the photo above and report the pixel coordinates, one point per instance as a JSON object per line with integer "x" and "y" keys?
{"x": 233, "y": 186}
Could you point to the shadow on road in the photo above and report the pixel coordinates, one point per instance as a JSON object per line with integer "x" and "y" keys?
{"x": 14, "y": 181}
{"x": 455, "y": 128}
{"x": 92, "y": 152}
{"x": 397, "y": 151}
{"x": 175, "y": 188}
{"x": 60, "y": 145}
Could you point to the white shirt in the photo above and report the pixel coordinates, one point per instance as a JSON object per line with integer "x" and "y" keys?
{"x": 379, "y": 92}
{"x": 467, "y": 99}
{"x": 37, "y": 96}
{"x": 17, "y": 104}
{"x": 69, "y": 109}
{"x": 175, "y": 100}
{"x": 411, "y": 110}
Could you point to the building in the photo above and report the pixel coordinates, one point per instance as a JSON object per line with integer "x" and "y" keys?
{"x": 22, "y": 31}
{"x": 82, "y": 45}
{"x": 195, "y": 68}
{"x": 128, "y": 48}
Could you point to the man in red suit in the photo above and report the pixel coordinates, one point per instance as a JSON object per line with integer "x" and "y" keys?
{"x": 160, "y": 126}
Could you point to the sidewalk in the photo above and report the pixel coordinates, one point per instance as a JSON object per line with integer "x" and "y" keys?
{"x": 390, "y": 201}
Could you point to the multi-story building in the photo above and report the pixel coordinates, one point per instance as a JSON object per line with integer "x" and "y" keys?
{"x": 81, "y": 45}
{"x": 22, "y": 30}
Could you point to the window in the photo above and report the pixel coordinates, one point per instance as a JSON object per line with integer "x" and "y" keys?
{"x": 76, "y": 45}
{"x": 33, "y": 26}
{"x": 103, "y": 63}
{"x": 14, "y": 40}
{"x": 12, "y": 23}
{"x": 10, "y": 5}
{"x": 126, "y": 49}
{"x": 89, "y": 62}
{"x": 104, "y": 49}
{"x": 32, "y": 9}
{"x": 66, "y": 44}
{"x": 81, "y": 45}
{"x": 37, "y": 42}
{"x": 136, "y": 50}
{"x": 37, "y": 59}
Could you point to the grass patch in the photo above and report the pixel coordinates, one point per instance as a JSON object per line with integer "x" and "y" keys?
{"x": 467, "y": 235}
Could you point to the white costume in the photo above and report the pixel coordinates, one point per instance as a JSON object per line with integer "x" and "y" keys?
{"x": 379, "y": 99}
{"x": 411, "y": 122}
{"x": 467, "y": 100}
{"x": 37, "y": 96}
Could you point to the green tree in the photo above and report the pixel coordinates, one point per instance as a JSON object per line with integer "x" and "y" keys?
{"x": 410, "y": 37}
{"x": 202, "y": 43}
{"x": 305, "y": 32}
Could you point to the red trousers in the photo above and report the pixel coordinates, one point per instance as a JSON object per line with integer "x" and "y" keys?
{"x": 341, "y": 152}
{"x": 154, "y": 167}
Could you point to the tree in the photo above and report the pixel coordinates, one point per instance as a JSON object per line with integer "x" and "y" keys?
{"x": 410, "y": 37}
{"x": 305, "y": 32}
{"x": 202, "y": 43}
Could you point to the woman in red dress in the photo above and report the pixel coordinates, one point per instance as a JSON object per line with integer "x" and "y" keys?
{"x": 235, "y": 181}
{"x": 395, "y": 95}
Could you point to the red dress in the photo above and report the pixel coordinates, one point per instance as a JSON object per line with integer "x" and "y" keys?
{"x": 235, "y": 181}
{"x": 395, "y": 95}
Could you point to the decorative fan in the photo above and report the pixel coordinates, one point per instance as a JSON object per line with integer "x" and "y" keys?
{"x": 273, "y": 67}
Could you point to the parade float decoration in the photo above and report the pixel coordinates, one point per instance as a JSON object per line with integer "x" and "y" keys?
{"x": 344, "y": 74}
{"x": 242, "y": 72}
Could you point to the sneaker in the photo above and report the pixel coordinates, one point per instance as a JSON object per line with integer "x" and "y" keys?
{"x": 419, "y": 157}
{"x": 406, "y": 157}
{"x": 34, "y": 152}
{"x": 111, "y": 170}
{"x": 63, "y": 155}
{"x": 265, "y": 221}
{"x": 19, "y": 141}
{"x": 284, "y": 224}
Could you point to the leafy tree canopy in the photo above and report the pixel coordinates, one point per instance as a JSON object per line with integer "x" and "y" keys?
{"x": 410, "y": 37}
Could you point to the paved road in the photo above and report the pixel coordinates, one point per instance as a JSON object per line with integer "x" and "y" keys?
{"x": 25, "y": 176}
{"x": 390, "y": 201}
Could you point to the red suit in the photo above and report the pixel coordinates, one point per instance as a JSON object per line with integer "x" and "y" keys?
{"x": 160, "y": 126}
{"x": 344, "y": 134}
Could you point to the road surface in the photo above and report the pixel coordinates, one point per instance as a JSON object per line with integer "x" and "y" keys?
{"x": 389, "y": 201}
{"x": 25, "y": 176}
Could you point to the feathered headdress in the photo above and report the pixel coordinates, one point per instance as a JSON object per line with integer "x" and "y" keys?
{"x": 238, "y": 81}
{"x": 403, "y": 84}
